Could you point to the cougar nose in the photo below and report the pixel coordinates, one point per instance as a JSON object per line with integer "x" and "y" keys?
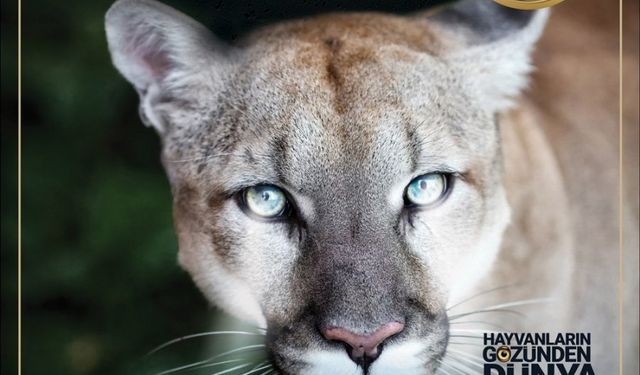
{"x": 364, "y": 348}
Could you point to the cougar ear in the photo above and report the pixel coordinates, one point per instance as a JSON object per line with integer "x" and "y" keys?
{"x": 491, "y": 44}
{"x": 162, "y": 52}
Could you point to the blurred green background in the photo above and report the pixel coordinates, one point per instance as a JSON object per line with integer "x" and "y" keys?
{"x": 101, "y": 286}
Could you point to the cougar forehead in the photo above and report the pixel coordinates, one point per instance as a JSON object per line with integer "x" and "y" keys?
{"x": 348, "y": 87}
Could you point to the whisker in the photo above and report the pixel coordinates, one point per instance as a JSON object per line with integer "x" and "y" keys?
{"x": 532, "y": 301}
{"x": 206, "y": 365}
{"x": 466, "y": 369}
{"x": 247, "y": 348}
{"x": 207, "y": 362}
{"x": 196, "y": 366}
{"x": 467, "y": 360}
{"x": 268, "y": 365}
{"x": 443, "y": 363}
{"x": 259, "y": 364}
{"x": 473, "y": 331}
{"x": 464, "y": 354}
{"x": 502, "y": 307}
{"x": 466, "y": 343}
{"x": 514, "y": 312}
{"x": 484, "y": 293}
{"x": 202, "y": 334}
{"x": 480, "y": 322}
{"x": 441, "y": 368}
{"x": 231, "y": 369}
{"x": 467, "y": 336}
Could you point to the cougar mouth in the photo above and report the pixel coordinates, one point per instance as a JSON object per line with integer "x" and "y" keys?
{"x": 442, "y": 344}
{"x": 414, "y": 346}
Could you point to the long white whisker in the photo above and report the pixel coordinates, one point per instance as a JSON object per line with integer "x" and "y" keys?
{"x": 523, "y": 302}
{"x": 259, "y": 364}
{"x": 257, "y": 369}
{"x": 465, "y": 354}
{"x": 208, "y": 361}
{"x": 441, "y": 368}
{"x": 467, "y": 360}
{"x": 199, "y": 365}
{"x": 466, "y": 343}
{"x": 202, "y": 334}
{"x": 467, "y": 336}
{"x": 479, "y": 322}
{"x": 241, "y": 349}
{"x": 232, "y": 369}
{"x": 443, "y": 363}
{"x": 472, "y": 330}
{"x": 483, "y": 293}
{"x": 503, "y": 307}
{"x": 483, "y": 311}
{"x": 216, "y": 364}
{"x": 247, "y": 348}
{"x": 462, "y": 367}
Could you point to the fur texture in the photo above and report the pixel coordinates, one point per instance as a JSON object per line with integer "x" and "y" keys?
{"x": 342, "y": 111}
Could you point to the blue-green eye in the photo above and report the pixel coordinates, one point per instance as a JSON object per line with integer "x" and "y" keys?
{"x": 426, "y": 189}
{"x": 266, "y": 201}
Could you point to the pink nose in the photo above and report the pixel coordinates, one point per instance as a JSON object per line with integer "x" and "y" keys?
{"x": 363, "y": 345}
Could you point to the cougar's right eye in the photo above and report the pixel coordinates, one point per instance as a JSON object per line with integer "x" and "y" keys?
{"x": 426, "y": 189}
{"x": 265, "y": 201}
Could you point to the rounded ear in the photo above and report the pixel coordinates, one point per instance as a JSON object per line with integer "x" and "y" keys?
{"x": 161, "y": 52}
{"x": 491, "y": 45}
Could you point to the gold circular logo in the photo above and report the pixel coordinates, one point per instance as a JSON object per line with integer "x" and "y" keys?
{"x": 528, "y": 4}
{"x": 504, "y": 354}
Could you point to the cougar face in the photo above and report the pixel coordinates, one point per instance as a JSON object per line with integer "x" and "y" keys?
{"x": 336, "y": 180}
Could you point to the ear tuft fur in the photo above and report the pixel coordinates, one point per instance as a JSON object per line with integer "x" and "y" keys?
{"x": 492, "y": 46}
{"x": 160, "y": 51}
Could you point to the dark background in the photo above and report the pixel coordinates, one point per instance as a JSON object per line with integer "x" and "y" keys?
{"x": 101, "y": 286}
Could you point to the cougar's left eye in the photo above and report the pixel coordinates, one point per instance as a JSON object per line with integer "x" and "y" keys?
{"x": 426, "y": 189}
{"x": 266, "y": 201}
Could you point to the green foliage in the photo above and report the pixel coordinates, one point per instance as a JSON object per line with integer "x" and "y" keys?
{"x": 101, "y": 286}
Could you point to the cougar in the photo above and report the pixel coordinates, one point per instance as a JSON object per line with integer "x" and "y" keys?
{"x": 376, "y": 190}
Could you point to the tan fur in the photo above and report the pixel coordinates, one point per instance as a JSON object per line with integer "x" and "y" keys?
{"x": 342, "y": 112}
{"x": 562, "y": 150}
